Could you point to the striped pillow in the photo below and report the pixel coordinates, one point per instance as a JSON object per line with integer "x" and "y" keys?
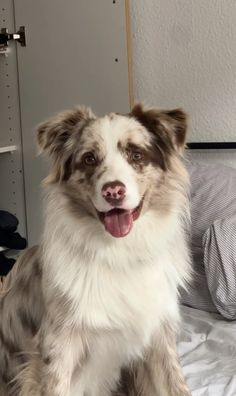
{"x": 220, "y": 265}
{"x": 213, "y": 197}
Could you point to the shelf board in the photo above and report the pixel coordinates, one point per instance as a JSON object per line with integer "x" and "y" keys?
{"x": 7, "y": 149}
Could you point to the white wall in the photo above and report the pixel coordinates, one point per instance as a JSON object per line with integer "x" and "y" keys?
{"x": 184, "y": 54}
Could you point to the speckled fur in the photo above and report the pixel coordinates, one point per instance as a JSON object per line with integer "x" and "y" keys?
{"x": 87, "y": 314}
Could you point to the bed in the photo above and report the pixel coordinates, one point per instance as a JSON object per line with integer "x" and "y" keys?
{"x": 207, "y": 342}
{"x": 207, "y": 350}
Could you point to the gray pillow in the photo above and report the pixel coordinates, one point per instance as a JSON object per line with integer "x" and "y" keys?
{"x": 220, "y": 265}
{"x": 213, "y": 197}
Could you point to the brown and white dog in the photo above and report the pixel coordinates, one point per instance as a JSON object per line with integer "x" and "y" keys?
{"x": 93, "y": 310}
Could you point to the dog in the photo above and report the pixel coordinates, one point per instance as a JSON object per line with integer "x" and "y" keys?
{"x": 93, "y": 310}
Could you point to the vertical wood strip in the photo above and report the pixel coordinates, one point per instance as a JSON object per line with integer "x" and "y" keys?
{"x": 129, "y": 52}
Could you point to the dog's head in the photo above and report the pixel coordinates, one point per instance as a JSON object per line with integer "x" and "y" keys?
{"x": 114, "y": 167}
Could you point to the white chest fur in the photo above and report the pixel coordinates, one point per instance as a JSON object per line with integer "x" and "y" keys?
{"x": 125, "y": 308}
{"x": 115, "y": 285}
{"x": 123, "y": 290}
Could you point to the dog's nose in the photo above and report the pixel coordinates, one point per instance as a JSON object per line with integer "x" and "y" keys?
{"x": 114, "y": 192}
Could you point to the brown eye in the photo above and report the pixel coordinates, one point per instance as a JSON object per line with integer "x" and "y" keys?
{"x": 89, "y": 159}
{"x": 137, "y": 156}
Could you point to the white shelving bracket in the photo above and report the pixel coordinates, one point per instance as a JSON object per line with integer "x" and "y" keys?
{"x": 7, "y": 149}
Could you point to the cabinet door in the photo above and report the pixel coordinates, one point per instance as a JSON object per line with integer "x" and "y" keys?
{"x": 76, "y": 53}
{"x": 12, "y": 196}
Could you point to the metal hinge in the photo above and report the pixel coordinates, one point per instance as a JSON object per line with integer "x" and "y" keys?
{"x": 18, "y": 36}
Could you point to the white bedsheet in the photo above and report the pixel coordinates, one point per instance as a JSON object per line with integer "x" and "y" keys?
{"x": 207, "y": 349}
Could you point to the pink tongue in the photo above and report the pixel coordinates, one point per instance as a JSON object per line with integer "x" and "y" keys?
{"x": 118, "y": 223}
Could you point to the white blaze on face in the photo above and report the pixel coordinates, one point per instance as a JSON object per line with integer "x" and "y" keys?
{"x": 116, "y": 166}
{"x": 117, "y": 221}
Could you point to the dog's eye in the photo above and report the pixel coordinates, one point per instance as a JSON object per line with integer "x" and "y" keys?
{"x": 137, "y": 156}
{"x": 89, "y": 159}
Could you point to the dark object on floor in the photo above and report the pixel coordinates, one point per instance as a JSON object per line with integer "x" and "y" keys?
{"x": 9, "y": 239}
{"x": 12, "y": 240}
{"x": 8, "y": 221}
{"x": 6, "y": 264}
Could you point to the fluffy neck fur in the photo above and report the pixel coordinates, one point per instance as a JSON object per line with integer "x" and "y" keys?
{"x": 79, "y": 255}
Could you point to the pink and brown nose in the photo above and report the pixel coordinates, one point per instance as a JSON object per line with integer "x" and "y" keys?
{"x": 114, "y": 193}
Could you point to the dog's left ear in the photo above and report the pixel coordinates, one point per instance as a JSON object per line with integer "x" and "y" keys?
{"x": 169, "y": 126}
{"x": 53, "y": 135}
{"x": 178, "y": 125}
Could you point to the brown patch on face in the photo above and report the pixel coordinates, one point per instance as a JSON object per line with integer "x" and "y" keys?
{"x": 80, "y": 186}
{"x": 140, "y": 157}
{"x": 88, "y": 170}
{"x": 168, "y": 131}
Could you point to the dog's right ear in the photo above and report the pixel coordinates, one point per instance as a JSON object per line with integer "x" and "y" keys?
{"x": 52, "y": 135}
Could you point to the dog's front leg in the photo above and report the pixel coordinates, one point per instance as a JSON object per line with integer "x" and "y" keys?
{"x": 61, "y": 349}
{"x": 57, "y": 366}
{"x": 49, "y": 371}
{"x": 160, "y": 373}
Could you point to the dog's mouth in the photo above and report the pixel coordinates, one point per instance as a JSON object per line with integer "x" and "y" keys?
{"x": 119, "y": 222}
